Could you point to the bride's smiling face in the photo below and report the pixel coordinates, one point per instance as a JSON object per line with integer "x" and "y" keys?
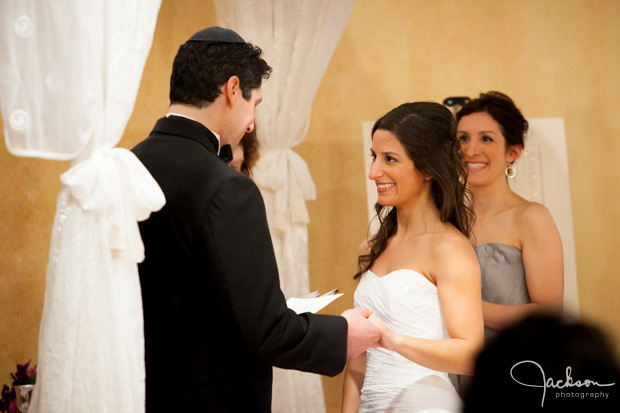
{"x": 398, "y": 181}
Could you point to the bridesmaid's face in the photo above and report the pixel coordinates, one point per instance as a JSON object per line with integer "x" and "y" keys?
{"x": 484, "y": 148}
{"x": 398, "y": 182}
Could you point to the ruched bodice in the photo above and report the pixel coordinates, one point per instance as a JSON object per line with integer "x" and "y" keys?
{"x": 503, "y": 282}
{"x": 408, "y": 303}
{"x": 503, "y": 276}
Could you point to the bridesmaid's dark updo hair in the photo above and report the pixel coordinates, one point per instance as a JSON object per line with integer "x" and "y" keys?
{"x": 503, "y": 111}
{"x": 427, "y": 131}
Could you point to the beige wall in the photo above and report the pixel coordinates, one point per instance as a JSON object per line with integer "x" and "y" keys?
{"x": 554, "y": 57}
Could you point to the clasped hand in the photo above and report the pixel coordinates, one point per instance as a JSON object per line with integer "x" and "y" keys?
{"x": 361, "y": 332}
{"x": 387, "y": 336}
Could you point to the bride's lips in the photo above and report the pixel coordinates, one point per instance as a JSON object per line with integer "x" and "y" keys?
{"x": 383, "y": 187}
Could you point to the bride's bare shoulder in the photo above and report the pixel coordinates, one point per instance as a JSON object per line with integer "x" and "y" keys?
{"x": 453, "y": 245}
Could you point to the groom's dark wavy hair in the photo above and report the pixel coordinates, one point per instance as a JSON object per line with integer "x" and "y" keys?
{"x": 427, "y": 131}
{"x": 200, "y": 69}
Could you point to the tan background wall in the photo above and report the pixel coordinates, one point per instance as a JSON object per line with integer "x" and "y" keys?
{"x": 556, "y": 58}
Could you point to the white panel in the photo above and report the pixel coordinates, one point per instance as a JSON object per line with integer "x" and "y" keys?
{"x": 544, "y": 164}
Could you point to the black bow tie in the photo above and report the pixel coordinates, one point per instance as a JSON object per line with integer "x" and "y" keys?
{"x": 225, "y": 153}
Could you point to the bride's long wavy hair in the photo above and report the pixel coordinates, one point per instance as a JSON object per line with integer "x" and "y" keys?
{"x": 427, "y": 131}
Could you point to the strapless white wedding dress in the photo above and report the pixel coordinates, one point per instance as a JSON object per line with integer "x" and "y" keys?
{"x": 408, "y": 303}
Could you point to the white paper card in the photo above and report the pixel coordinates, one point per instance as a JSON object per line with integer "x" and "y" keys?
{"x": 310, "y": 305}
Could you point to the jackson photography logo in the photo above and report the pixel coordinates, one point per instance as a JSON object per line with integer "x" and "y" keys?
{"x": 567, "y": 387}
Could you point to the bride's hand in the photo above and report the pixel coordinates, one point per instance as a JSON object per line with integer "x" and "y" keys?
{"x": 387, "y": 335}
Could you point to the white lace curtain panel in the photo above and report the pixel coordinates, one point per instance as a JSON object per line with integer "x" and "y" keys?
{"x": 69, "y": 76}
{"x": 298, "y": 39}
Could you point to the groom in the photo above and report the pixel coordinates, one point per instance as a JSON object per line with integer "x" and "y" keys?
{"x": 215, "y": 319}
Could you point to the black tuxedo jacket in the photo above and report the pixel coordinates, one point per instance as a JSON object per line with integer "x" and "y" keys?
{"x": 215, "y": 319}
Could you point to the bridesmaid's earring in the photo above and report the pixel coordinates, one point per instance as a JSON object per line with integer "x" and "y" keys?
{"x": 511, "y": 172}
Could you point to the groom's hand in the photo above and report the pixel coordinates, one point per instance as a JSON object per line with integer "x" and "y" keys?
{"x": 361, "y": 333}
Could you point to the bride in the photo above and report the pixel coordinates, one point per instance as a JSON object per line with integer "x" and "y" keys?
{"x": 419, "y": 273}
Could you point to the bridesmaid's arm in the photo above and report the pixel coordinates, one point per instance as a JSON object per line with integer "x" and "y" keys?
{"x": 500, "y": 316}
{"x": 544, "y": 269}
{"x": 457, "y": 274}
{"x": 353, "y": 381}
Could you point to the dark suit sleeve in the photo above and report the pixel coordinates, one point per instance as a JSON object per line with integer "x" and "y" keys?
{"x": 235, "y": 226}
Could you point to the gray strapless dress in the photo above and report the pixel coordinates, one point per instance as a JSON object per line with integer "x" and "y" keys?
{"x": 503, "y": 277}
{"x": 503, "y": 282}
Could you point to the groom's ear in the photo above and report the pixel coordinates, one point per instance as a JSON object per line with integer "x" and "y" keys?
{"x": 232, "y": 90}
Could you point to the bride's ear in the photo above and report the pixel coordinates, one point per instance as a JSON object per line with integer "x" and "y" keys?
{"x": 426, "y": 176}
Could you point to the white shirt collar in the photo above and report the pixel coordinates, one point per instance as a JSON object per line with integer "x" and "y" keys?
{"x": 219, "y": 142}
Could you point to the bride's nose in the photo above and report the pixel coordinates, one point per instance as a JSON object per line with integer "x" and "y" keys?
{"x": 375, "y": 171}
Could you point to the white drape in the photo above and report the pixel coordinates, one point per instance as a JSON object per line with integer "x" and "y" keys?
{"x": 69, "y": 76}
{"x": 298, "y": 39}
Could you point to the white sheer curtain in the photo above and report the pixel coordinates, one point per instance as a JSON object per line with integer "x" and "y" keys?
{"x": 69, "y": 76}
{"x": 298, "y": 39}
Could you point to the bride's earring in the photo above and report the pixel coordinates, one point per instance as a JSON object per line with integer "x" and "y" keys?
{"x": 511, "y": 172}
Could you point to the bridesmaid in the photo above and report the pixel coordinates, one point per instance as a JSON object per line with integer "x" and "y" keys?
{"x": 516, "y": 241}
{"x": 246, "y": 154}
